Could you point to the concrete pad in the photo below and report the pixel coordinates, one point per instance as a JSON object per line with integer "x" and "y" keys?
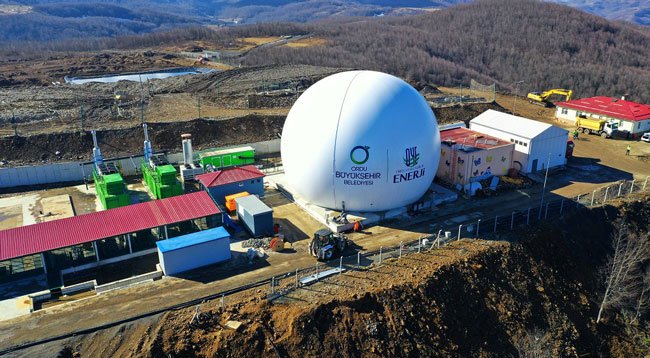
{"x": 435, "y": 195}
{"x": 11, "y": 217}
{"x": 57, "y": 207}
{"x": 14, "y": 307}
{"x": 25, "y": 202}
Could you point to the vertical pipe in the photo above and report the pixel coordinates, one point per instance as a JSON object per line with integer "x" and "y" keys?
{"x": 632, "y": 187}
{"x": 620, "y": 187}
{"x": 128, "y": 241}
{"x": 593, "y": 195}
{"x": 459, "y": 228}
{"x": 546, "y": 211}
{"x": 96, "y": 250}
{"x": 496, "y": 218}
{"x": 43, "y": 263}
{"x": 478, "y": 226}
{"x": 512, "y": 220}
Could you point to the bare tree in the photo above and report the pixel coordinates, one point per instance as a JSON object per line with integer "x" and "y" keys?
{"x": 535, "y": 343}
{"x": 626, "y": 281}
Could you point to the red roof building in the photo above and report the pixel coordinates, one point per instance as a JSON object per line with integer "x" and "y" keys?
{"x": 467, "y": 156}
{"x": 632, "y": 116}
{"x": 229, "y": 176}
{"x": 50, "y": 235}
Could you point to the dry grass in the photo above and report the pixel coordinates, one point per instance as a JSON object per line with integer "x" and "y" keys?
{"x": 308, "y": 42}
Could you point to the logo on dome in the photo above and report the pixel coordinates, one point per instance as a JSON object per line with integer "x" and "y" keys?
{"x": 411, "y": 157}
{"x": 359, "y": 155}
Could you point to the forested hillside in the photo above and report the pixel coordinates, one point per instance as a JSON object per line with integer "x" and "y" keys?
{"x": 505, "y": 41}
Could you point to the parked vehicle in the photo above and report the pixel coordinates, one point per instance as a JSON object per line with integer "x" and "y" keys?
{"x": 602, "y": 127}
{"x": 646, "y": 137}
{"x": 326, "y": 244}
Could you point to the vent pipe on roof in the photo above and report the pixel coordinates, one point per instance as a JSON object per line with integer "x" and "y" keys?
{"x": 97, "y": 154}
{"x": 148, "y": 151}
{"x": 187, "y": 148}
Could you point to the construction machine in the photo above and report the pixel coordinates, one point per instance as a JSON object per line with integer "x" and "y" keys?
{"x": 542, "y": 98}
{"x": 326, "y": 244}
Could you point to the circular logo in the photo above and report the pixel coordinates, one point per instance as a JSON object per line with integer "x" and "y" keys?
{"x": 359, "y": 155}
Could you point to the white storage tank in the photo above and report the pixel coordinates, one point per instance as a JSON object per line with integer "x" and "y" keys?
{"x": 360, "y": 141}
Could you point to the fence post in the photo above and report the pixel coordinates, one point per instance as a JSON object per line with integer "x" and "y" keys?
{"x": 496, "y": 218}
{"x": 561, "y": 206}
{"x": 606, "y": 192}
{"x": 400, "y": 249}
{"x": 593, "y": 195}
{"x": 620, "y": 187}
{"x": 512, "y": 220}
{"x": 528, "y": 217}
{"x": 478, "y": 226}
{"x": 632, "y": 186}
{"x": 272, "y": 285}
{"x": 645, "y": 182}
{"x": 341, "y": 265}
{"x": 296, "y": 278}
{"x": 546, "y": 211}
{"x": 459, "y": 228}
{"x": 419, "y": 244}
{"x": 358, "y": 259}
{"x": 223, "y": 299}
{"x": 381, "y": 248}
{"x": 317, "y": 270}
{"x": 578, "y": 202}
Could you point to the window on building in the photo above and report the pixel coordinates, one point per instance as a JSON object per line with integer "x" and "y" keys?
{"x": 565, "y": 111}
{"x": 19, "y": 265}
{"x": 512, "y": 140}
{"x": 241, "y": 183}
{"x": 525, "y": 144}
{"x": 76, "y": 255}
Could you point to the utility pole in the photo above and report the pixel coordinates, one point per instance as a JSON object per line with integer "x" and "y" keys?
{"x": 141, "y": 101}
{"x": 514, "y": 105}
{"x": 541, "y": 204}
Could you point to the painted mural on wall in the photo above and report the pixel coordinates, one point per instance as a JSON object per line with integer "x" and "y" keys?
{"x": 460, "y": 167}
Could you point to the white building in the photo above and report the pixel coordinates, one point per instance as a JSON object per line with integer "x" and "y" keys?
{"x": 631, "y": 116}
{"x": 534, "y": 140}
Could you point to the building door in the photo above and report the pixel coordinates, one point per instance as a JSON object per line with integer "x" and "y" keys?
{"x": 534, "y": 169}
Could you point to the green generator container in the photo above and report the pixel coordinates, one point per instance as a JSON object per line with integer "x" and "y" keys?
{"x": 228, "y": 157}
{"x": 162, "y": 180}
{"x": 111, "y": 190}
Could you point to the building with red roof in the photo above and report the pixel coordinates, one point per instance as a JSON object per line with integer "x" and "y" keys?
{"x": 106, "y": 236}
{"x": 631, "y": 116}
{"x": 222, "y": 183}
{"x": 467, "y": 156}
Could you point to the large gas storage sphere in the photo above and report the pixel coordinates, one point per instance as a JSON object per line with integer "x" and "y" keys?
{"x": 360, "y": 141}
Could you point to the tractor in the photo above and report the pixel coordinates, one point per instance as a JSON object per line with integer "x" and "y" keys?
{"x": 326, "y": 244}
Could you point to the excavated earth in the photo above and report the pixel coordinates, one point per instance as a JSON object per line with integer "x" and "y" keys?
{"x": 472, "y": 298}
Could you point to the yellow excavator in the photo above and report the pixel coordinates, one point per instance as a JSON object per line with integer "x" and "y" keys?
{"x": 542, "y": 98}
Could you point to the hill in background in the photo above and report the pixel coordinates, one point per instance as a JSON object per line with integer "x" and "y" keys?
{"x": 504, "y": 41}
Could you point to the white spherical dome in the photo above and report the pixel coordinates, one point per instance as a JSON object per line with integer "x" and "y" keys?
{"x": 360, "y": 141}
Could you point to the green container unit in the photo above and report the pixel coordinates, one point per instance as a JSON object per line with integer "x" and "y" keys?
{"x": 228, "y": 157}
{"x": 162, "y": 180}
{"x": 111, "y": 190}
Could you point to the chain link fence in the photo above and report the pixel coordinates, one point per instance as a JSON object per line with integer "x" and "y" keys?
{"x": 547, "y": 209}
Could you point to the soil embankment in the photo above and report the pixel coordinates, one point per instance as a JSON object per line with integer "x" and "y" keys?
{"x": 471, "y": 298}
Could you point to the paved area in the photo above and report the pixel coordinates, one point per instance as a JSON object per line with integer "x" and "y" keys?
{"x": 57, "y": 207}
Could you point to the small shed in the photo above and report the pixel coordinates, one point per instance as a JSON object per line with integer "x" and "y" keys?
{"x": 256, "y": 216}
{"x": 467, "y": 156}
{"x": 187, "y": 252}
{"x": 222, "y": 183}
{"x": 536, "y": 143}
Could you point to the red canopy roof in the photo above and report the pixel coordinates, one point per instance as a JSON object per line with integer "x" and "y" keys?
{"x": 471, "y": 138}
{"x": 611, "y": 107}
{"x": 230, "y": 175}
{"x": 50, "y": 235}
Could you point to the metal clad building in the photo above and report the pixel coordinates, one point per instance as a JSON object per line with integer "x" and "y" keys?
{"x": 256, "y": 217}
{"x": 230, "y": 181}
{"x": 187, "y": 252}
{"x": 534, "y": 140}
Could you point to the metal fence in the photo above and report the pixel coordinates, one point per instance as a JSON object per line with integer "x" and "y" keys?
{"x": 550, "y": 209}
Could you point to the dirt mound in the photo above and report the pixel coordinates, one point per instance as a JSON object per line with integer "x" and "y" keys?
{"x": 127, "y": 141}
{"x": 471, "y": 298}
{"x": 465, "y": 112}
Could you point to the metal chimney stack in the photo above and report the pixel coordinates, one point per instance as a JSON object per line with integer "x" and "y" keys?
{"x": 148, "y": 151}
{"x": 97, "y": 154}
{"x": 188, "y": 156}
